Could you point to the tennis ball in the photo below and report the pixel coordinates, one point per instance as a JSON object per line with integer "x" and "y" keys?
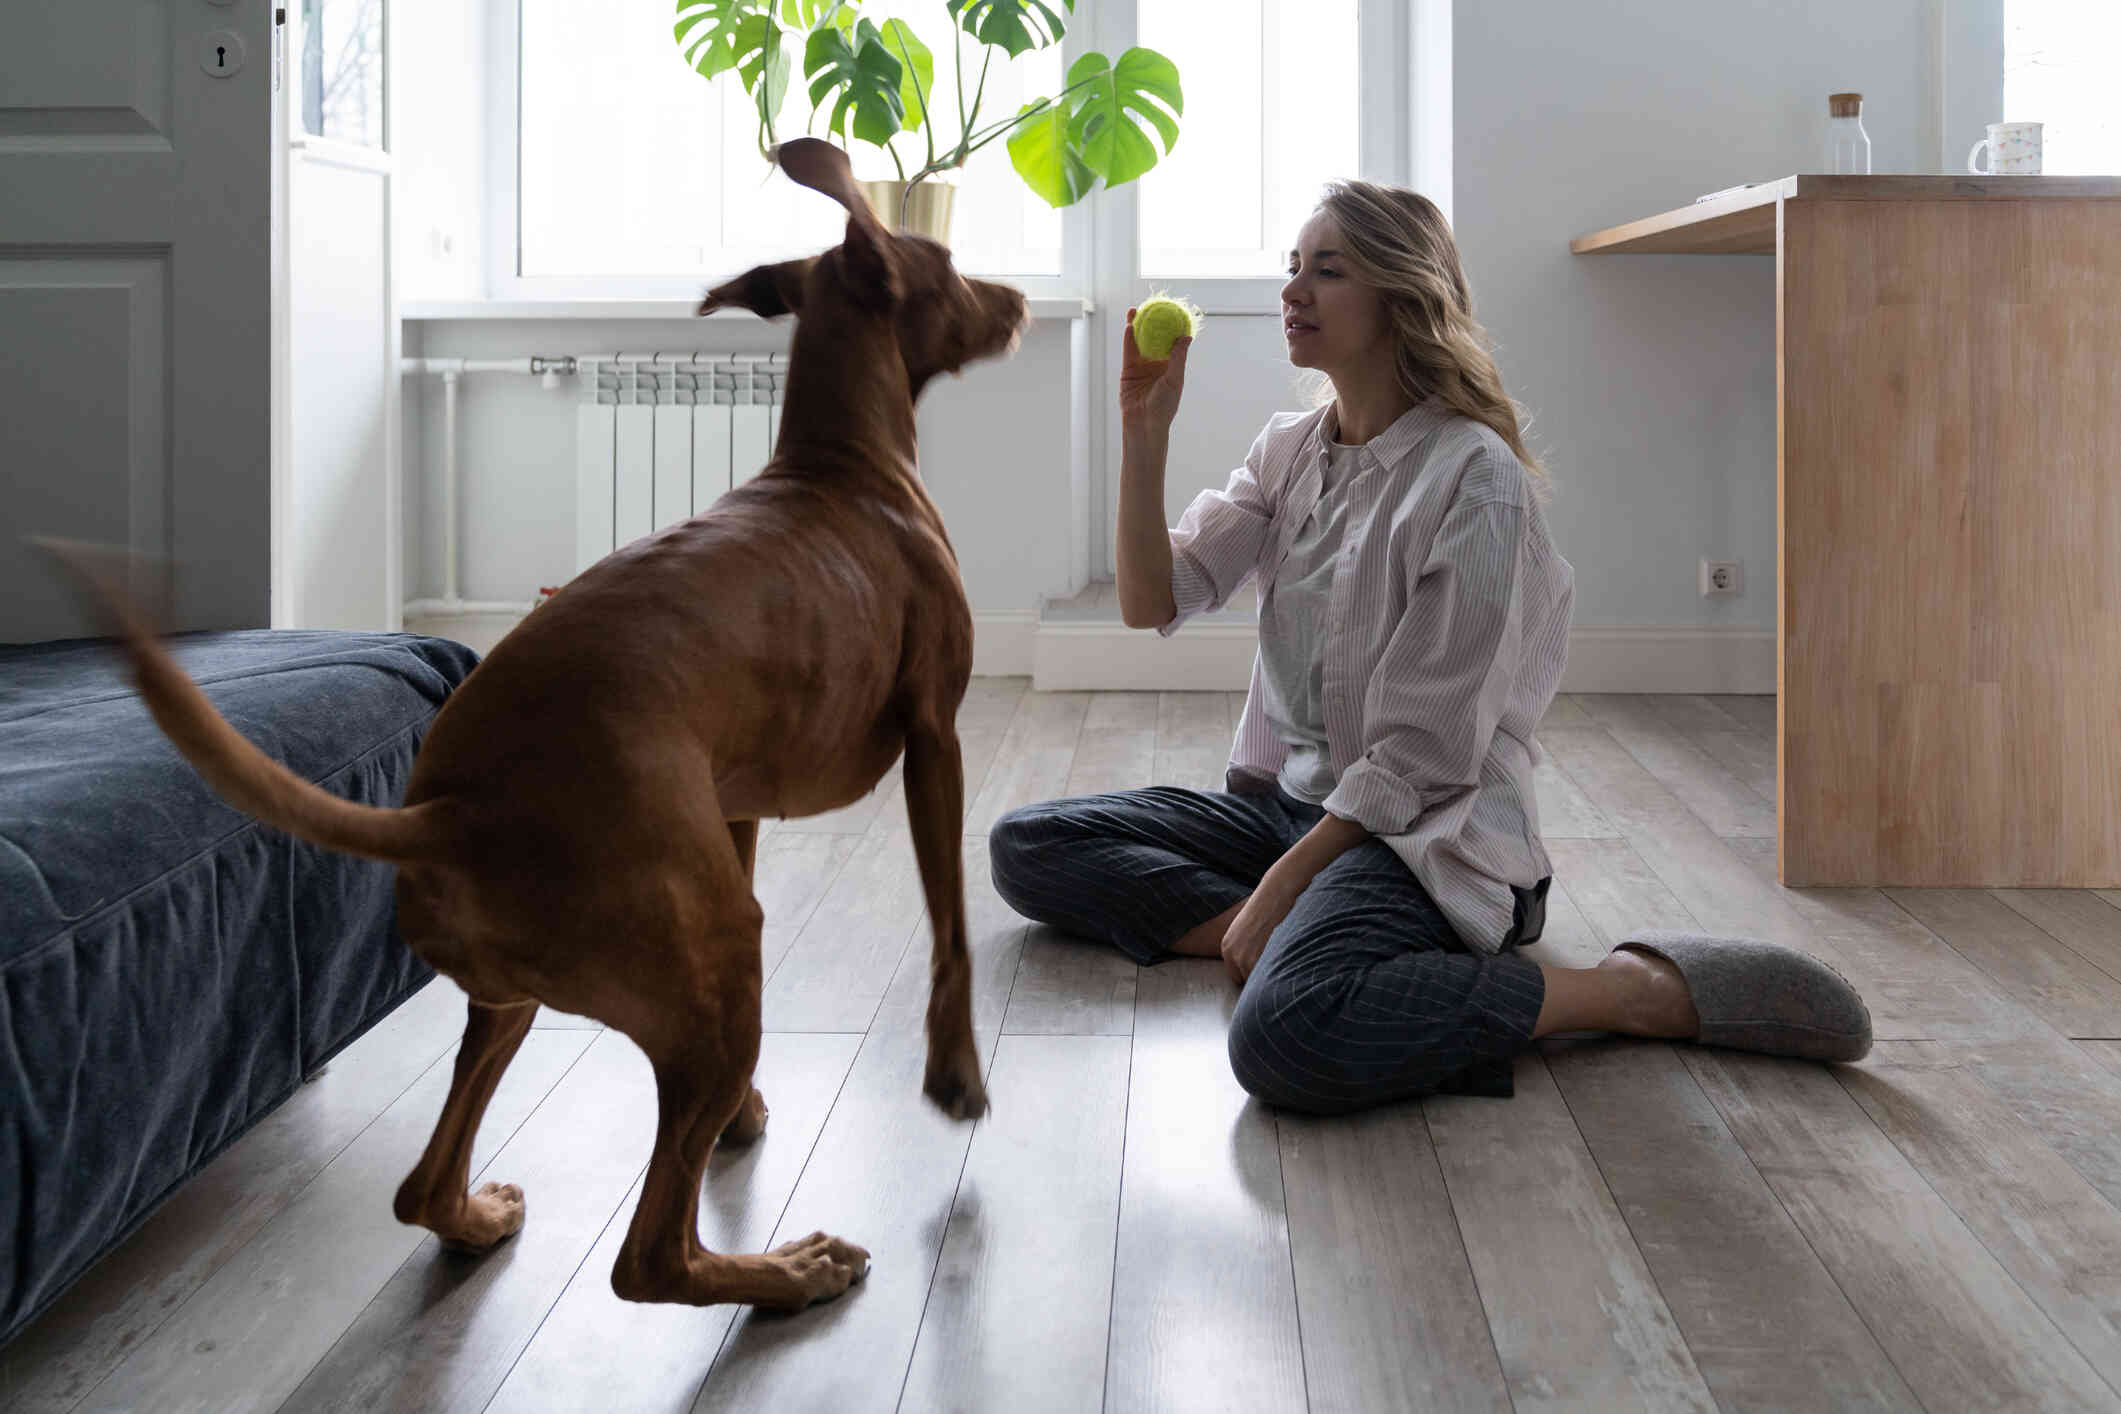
{"x": 1160, "y": 322}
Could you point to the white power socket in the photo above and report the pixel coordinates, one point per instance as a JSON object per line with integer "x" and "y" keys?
{"x": 1722, "y": 578}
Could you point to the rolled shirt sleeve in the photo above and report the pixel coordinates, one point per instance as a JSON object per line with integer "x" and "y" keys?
{"x": 1219, "y": 539}
{"x": 1431, "y": 706}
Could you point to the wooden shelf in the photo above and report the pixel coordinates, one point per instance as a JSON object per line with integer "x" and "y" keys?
{"x": 1743, "y": 223}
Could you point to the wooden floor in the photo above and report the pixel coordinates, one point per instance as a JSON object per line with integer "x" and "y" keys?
{"x": 1644, "y": 1226}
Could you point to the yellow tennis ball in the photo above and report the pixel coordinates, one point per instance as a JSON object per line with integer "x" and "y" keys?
{"x": 1160, "y": 322}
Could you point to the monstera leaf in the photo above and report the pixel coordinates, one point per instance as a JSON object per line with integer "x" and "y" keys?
{"x": 706, "y": 31}
{"x": 1039, "y": 151}
{"x": 1009, "y": 23}
{"x": 1102, "y": 126}
{"x": 762, "y": 63}
{"x": 919, "y": 83}
{"x": 869, "y": 78}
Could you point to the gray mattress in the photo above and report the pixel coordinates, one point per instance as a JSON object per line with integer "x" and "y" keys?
{"x": 171, "y": 969}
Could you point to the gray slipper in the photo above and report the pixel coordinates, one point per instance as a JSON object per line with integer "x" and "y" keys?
{"x": 1759, "y": 996}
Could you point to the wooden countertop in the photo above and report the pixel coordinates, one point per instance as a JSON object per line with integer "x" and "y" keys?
{"x": 1743, "y": 223}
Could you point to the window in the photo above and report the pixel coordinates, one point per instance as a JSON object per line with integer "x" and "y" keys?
{"x": 631, "y": 164}
{"x": 2059, "y": 62}
{"x": 1270, "y": 118}
{"x": 342, "y": 70}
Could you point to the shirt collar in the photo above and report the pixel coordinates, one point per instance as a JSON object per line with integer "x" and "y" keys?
{"x": 1392, "y": 444}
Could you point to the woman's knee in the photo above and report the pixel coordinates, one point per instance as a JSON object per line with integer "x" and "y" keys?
{"x": 1278, "y": 1054}
{"x": 1020, "y": 847}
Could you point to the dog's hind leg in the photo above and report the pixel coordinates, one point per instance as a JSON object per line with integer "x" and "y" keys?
{"x": 935, "y": 807}
{"x": 703, "y": 1087}
{"x": 750, "y": 1121}
{"x": 433, "y": 1195}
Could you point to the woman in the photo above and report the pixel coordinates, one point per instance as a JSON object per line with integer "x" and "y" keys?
{"x": 1377, "y": 859}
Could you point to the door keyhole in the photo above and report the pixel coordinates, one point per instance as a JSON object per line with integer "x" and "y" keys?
{"x": 220, "y": 56}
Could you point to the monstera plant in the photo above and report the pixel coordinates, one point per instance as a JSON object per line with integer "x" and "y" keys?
{"x": 874, "y": 81}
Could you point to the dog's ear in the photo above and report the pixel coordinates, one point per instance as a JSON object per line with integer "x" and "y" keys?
{"x": 817, "y": 164}
{"x": 871, "y": 270}
{"x": 768, "y": 291}
{"x": 871, "y": 266}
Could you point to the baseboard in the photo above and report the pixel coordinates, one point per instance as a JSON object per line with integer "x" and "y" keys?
{"x": 1692, "y": 659}
{"x": 1109, "y": 657}
{"x": 1218, "y": 657}
{"x": 1210, "y": 657}
{"x": 1002, "y": 644}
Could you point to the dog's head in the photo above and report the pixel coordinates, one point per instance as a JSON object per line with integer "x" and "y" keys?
{"x": 940, "y": 319}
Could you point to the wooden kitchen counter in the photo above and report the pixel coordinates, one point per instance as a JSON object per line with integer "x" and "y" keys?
{"x": 1948, "y": 507}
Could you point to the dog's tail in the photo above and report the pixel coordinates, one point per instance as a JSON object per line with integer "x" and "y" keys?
{"x": 243, "y": 775}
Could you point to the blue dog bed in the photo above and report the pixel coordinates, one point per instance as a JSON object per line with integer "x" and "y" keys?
{"x": 170, "y": 969}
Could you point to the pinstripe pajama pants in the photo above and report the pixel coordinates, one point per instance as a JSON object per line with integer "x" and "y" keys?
{"x": 1364, "y": 993}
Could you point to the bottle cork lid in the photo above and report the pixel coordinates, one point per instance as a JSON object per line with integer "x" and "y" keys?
{"x": 1844, "y": 105}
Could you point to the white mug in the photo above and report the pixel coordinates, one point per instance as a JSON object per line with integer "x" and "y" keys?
{"x": 2013, "y": 151}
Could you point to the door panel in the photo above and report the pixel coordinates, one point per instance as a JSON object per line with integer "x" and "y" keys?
{"x": 136, "y": 301}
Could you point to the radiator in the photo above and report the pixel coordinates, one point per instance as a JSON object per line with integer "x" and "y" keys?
{"x": 659, "y": 438}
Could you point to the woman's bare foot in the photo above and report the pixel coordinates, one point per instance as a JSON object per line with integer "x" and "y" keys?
{"x": 1657, "y": 1000}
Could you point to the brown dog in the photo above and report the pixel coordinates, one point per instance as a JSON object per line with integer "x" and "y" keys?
{"x": 580, "y": 824}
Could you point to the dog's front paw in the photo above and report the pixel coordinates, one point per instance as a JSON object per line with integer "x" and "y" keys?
{"x": 954, "y": 1083}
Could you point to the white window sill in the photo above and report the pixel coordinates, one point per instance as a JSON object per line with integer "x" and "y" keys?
{"x": 639, "y": 309}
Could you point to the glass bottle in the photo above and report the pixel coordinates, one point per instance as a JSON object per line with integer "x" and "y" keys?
{"x": 1848, "y": 146}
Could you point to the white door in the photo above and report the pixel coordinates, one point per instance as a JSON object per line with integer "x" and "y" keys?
{"x": 137, "y": 267}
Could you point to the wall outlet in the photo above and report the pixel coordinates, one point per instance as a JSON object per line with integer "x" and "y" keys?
{"x": 1722, "y": 578}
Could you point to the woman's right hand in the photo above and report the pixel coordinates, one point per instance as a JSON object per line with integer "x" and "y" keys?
{"x": 1149, "y": 390}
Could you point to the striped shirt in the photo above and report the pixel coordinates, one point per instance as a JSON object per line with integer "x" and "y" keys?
{"x": 1448, "y": 629}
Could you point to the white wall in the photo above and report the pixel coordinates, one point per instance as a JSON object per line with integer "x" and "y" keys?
{"x": 1651, "y": 378}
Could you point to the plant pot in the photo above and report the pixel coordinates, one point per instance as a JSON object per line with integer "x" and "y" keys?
{"x": 927, "y": 212}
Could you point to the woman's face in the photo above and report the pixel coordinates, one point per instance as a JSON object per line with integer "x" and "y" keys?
{"x": 1331, "y": 321}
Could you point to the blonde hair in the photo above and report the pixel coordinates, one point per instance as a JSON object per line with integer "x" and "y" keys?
{"x": 1397, "y": 241}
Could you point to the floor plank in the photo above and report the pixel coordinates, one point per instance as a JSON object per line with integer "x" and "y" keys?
{"x": 126, "y": 1297}
{"x": 568, "y": 1365}
{"x": 1391, "y": 1318}
{"x": 1741, "y": 1282}
{"x": 2052, "y": 1231}
{"x": 1034, "y": 758}
{"x": 246, "y": 1338}
{"x": 1117, "y": 748}
{"x": 2020, "y": 957}
{"x": 1564, "y": 713}
{"x": 1565, "y": 812}
{"x": 1618, "y": 893}
{"x": 1576, "y": 1316}
{"x": 1071, "y": 986}
{"x": 2086, "y": 923}
{"x": 1960, "y": 1331}
{"x": 1754, "y": 711}
{"x": 1193, "y": 738}
{"x": 1031, "y": 1230}
{"x": 1203, "y": 1301}
{"x": 1644, "y": 726}
{"x": 835, "y": 972}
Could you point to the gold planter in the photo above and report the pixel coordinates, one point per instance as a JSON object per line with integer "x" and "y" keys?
{"x": 927, "y": 211}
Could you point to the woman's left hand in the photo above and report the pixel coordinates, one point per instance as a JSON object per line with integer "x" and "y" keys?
{"x": 1256, "y": 920}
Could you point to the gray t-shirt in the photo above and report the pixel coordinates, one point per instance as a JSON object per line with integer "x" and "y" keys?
{"x": 1292, "y": 634}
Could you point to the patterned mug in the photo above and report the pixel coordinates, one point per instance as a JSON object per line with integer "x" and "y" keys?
{"x": 2013, "y": 151}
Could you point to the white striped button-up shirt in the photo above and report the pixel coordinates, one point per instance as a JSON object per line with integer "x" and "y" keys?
{"x": 1448, "y": 631}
